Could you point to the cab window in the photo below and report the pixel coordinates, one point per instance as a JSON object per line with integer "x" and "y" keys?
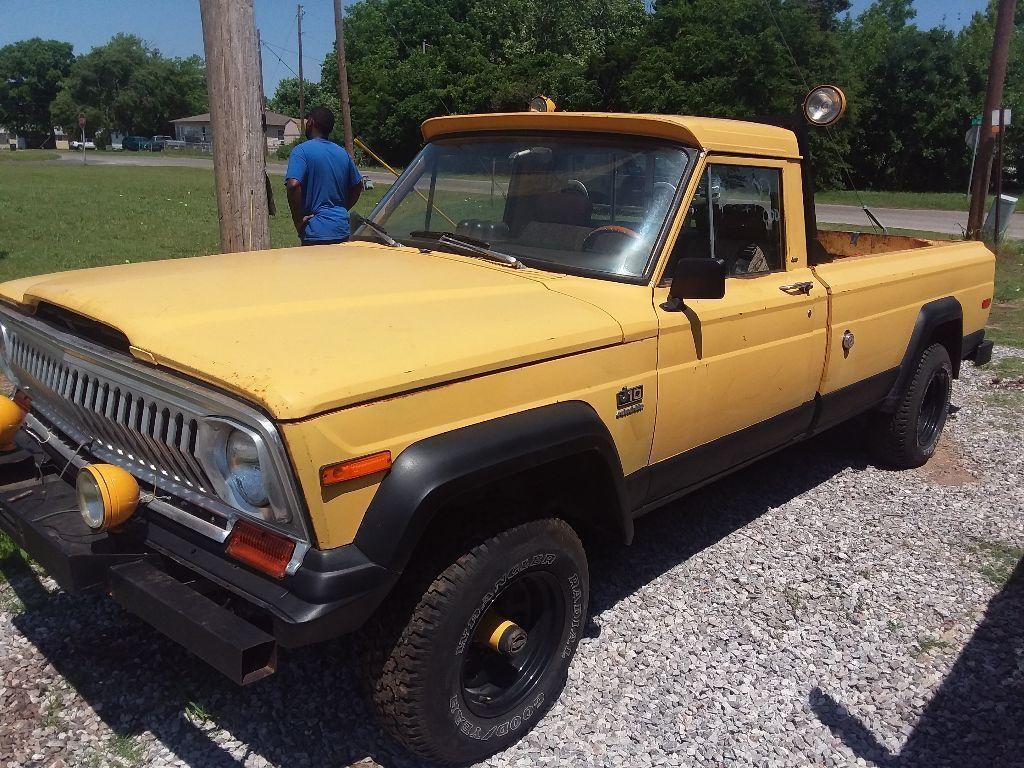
{"x": 736, "y": 216}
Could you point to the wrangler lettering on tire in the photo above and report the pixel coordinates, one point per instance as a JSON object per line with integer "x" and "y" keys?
{"x": 448, "y": 683}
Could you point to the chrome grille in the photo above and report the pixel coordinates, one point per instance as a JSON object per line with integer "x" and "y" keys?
{"x": 109, "y": 418}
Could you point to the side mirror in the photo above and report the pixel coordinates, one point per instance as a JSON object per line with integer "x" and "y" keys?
{"x": 696, "y": 279}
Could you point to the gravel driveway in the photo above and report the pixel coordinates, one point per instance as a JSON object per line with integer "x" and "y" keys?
{"x": 812, "y": 610}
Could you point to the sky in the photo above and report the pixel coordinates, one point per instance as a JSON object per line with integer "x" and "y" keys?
{"x": 173, "y": 26}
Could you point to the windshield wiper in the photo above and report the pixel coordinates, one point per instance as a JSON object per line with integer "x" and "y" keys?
{"x": 380, "y": 231}
{"x": 470, "y": 247}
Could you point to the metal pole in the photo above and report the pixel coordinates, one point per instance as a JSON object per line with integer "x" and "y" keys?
{"x": 999, "y": 177}
{"x": 993, "y": 100}
{"x": 302, "y": 83}
{"x": 974, "y": 159}
{"x": 339, "y": 42}
{"x": 83, "y": 146}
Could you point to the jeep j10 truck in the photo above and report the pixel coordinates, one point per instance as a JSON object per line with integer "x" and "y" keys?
{"x": 551, "y": 324}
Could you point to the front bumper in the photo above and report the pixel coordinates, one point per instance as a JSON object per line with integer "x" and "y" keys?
{"x": 166, "y": 573}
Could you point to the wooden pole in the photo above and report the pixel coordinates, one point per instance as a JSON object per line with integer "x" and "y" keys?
{"x": 302, "y": 82}
{"x": 263, "y": 92}
{"x": 993, "y": 101}
{"x": 229, "y": 39}
{"x": 339, "y": 41}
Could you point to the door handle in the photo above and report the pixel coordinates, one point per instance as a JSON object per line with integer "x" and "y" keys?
{"x": 795, "y": 289}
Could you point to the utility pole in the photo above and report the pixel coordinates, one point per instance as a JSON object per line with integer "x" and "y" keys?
{"x": 302, "y": 82}
{"x": 993, "y": 102}
{"x": 229, "y": 40}
{"x": 263, "y": 92}
{"x": 339, "y": 43}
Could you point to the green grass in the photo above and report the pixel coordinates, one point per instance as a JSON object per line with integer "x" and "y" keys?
{"x": 926, "y": 645}
{"x": 27, "y": 154}
{"x": 12, "y": 558}
{"x": 932, "y": 201}
{"x": 54, "y": 218}
{"x": 998, "y": 559}
{"x": 125, "y": 750}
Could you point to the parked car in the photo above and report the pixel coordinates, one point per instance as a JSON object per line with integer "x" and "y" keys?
{"x": 75, "y": 144}
{"x": 521, "y": 363}
{"x": 161, "y": 142}
{"x": 137, "y": 143}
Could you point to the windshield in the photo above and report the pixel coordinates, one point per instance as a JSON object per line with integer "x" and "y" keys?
{"x": 586, "y": 205}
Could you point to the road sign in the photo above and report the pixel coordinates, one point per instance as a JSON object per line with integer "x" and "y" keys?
{"x": 976, "y": 120}
{"x": 81, "y": 120}
{"x": 971, "y": 137}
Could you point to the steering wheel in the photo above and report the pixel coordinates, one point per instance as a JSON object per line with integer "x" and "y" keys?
{"x": 612, "y": 230}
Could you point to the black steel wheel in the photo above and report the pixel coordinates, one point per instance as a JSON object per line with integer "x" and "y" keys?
{"x": 486, "y": 649}
{"x": 907, "y": 436}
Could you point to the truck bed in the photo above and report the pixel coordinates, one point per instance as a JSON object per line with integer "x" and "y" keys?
{"x": 842, "y": 245}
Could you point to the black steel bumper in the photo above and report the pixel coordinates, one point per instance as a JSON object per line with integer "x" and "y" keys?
{"x": 166, "y": 574}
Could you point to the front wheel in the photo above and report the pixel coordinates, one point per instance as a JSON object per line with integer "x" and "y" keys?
{"x": 487, "y": 647}
{"x": 907, "y": 437}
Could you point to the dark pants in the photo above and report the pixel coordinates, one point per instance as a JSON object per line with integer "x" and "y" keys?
{"x": 323, "y": 242}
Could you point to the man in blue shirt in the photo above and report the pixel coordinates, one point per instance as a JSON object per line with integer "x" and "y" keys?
{"x": 322, "y": 183}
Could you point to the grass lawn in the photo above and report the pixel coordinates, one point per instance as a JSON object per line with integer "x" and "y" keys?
{"x": 54, "y": 218}
{"x": 933, "y": 201}
{"x": 27, "y": 154}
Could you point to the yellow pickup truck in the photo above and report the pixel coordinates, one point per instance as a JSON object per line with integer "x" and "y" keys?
{"x": 551, "y": 324}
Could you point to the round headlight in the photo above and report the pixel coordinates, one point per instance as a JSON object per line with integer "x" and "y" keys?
{"x": 824, "y": 105}
{"x": 90, "y": 500}
{"x": 245, "y": 475}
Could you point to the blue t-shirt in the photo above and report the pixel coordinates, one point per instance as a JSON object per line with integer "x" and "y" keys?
{"x": 326, "y": 174}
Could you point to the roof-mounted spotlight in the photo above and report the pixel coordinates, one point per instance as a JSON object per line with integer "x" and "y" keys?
{"x": 824, "y": 105}
{"x": 542, "y": 104}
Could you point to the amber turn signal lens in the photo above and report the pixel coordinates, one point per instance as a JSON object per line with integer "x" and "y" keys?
{"x": 350, "y": 470}
{"x": 107, "y": 496}
{"x": 260, "y": 548}
{"x": 11, "y": 419}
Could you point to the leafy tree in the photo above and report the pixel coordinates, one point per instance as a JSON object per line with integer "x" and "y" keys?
{"x": 479, "y": 56}
{"x": 286, "y": 97}
{"x": 127, "y": 86}
{"x": 30, "y": 75}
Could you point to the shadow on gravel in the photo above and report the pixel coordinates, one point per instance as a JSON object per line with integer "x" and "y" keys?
{"x": 976, "y": 718}
{"x": 671, "y": 535}
{"x": 312, "y": 711}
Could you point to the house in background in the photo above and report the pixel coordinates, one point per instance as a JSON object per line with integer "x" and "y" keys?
{"x": 9, "y": 139}
{"x": 281, "y": 129}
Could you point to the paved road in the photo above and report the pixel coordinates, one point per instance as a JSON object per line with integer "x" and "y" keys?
{"x": 948, "y": 222}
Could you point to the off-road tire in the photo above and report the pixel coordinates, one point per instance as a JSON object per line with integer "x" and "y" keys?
{"x": 907, "y": 437}
{"x": 417, "y": 657}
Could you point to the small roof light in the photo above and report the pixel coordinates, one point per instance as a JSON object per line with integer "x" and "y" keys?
{"x": 542, "y": 104}
{"x": 824, "y": 105}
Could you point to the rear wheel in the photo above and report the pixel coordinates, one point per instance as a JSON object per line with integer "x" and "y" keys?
{"x": 486, "y": 649}
{"x": 907, "y": 437}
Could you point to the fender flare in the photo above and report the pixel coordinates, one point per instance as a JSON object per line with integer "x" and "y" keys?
{"x": 932, "y": 315}
{"x": 435, "y": 470}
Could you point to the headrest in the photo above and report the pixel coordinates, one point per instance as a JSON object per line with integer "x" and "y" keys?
{"x": 571, "y": 205}
{"x": 743, "y": 221}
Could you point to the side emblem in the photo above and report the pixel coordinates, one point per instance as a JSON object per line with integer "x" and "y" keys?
{"x": 629, "y": 400}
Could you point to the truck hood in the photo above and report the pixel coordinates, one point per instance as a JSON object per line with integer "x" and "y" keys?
{"x": 305, "y": 330}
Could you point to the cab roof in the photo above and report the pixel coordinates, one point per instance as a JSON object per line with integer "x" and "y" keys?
{"x": 712, "y": 134}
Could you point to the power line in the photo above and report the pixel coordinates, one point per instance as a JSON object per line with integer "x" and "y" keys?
{"x": 828, "y": 130}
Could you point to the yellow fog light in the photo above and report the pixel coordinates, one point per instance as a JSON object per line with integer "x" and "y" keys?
{"x": 107, "y": 496}
{"x": 11, "y": 419}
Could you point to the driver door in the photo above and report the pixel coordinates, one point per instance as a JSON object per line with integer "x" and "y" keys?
{"x": 737, "y": 376}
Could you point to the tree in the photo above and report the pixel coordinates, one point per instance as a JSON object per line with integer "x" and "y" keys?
{"x": 30, "y": 76}
{"x": 126, "y": 86}
{"x": 479, "y": 56}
